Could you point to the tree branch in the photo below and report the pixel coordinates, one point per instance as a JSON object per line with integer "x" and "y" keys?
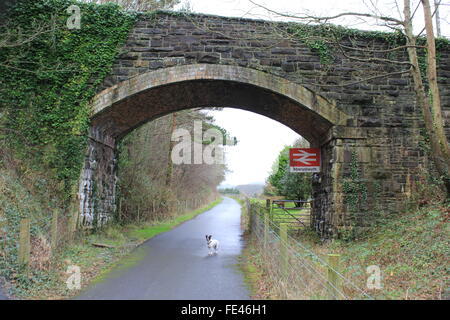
{"x": 326, "y": 19}
{"x": 365, "y": 79}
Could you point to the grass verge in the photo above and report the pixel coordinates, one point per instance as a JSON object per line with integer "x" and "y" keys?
{"x": 250, "y": 262}
{"x": 117, "y": 242}
{"x": 251, "y": 265}
{"x": 410, "y": 248}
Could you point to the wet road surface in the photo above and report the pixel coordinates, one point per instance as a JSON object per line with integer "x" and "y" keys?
{"x": 176, "y": 265}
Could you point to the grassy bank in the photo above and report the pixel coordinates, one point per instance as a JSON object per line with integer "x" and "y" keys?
{"x": 250, "y": 262}
{"x": 96, "y": 254}
{"x": 411, "y": 249}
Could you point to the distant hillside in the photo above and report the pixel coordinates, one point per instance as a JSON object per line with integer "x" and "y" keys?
{"x": 251, "y": 189}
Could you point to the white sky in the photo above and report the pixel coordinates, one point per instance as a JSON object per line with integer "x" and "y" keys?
{"x": 244, "y": 8}
{"x": 260, "y": 138}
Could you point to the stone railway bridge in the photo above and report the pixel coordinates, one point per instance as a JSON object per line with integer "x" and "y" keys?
{"x": 172, "y": 62}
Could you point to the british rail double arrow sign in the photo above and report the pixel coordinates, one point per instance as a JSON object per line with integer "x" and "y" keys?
{"x": 304, "y": 159}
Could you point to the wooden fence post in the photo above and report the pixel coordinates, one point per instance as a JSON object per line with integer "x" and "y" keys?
{"x": 76, "y": 217}
{"x": 72, "y": 223}
{"x": 250, "y": 215}
{"x": 54, "y": 230}
{"x": 266, "y": 230}
{"x": 271, "y": 209}
{"x": 120, "y": 209}
{"x": 138, "y": 218}
{"x": 24, "y": 243}
{"x": 283, "y": 249}
{"x": 334, "y": 283}
{"x": 69, "y": 227}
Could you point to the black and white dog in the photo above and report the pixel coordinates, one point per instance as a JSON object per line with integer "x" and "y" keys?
{"x": 212, "y": 245}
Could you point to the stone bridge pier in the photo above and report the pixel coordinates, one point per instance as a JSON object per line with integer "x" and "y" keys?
{"x": 368, "y": 131}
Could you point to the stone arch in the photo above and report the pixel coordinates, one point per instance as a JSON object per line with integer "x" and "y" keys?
{"x": 215, "y": 85}
{"x": 125, "y": 106}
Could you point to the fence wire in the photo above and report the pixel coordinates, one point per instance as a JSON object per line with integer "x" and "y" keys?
{"x": 30, "y": 240}
{"x": 295, "y": 271}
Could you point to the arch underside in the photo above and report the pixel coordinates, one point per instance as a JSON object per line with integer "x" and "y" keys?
{"x": 130, "y": 103}
{"x": 131, "y": 112}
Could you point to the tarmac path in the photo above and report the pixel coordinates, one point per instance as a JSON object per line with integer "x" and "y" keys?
{"x": 175, "y": 265}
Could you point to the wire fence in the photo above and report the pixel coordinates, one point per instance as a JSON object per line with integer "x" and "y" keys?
{"x": 30, "y": 241}
{"x": 295, "y": 271}
{"x": 158, "y": 209}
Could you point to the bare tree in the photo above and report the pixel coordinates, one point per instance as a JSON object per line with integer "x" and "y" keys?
{"x": 430, "y": 103}
{"x": 147, "y": 176}
{"x": 426, "y": 88}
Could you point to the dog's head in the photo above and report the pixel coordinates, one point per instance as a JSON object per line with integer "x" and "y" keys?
{"x": 208, "y": 239}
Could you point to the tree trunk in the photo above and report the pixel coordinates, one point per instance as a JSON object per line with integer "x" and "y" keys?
{"x": 431, "y": 109}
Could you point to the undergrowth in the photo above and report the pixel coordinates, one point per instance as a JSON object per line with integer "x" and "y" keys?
{"x": 49, "y": 78}
{"x": 49, "y": 74}
{"x": 96, "y": 254}
{"x": 411, "y": 248}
